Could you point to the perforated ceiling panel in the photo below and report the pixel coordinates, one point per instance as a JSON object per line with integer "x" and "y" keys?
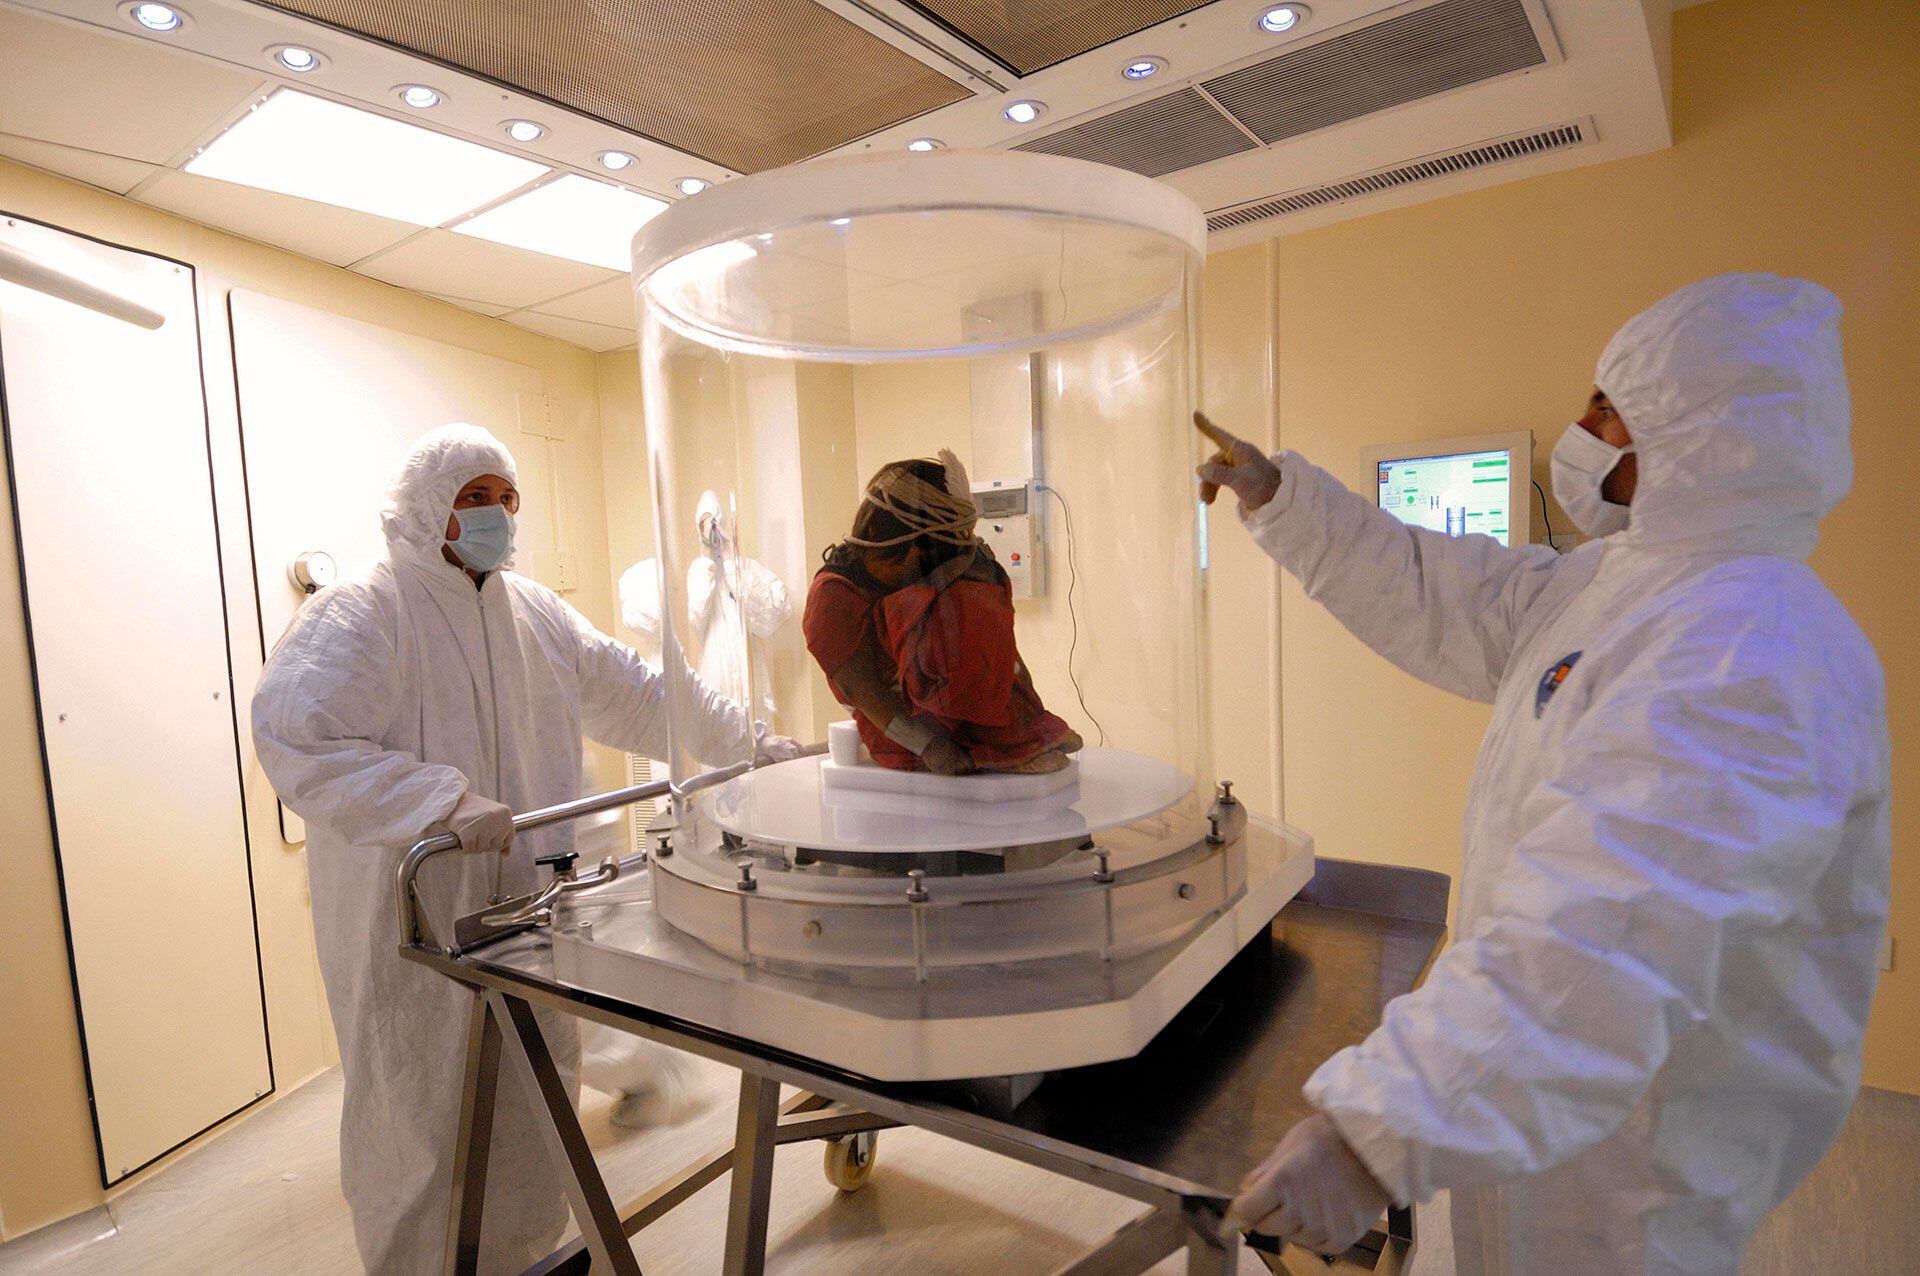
{"x": 1389, "y": 63}
{"x": 1156, "y": 137}
{"x": 749, "y": 86}
{"x": 1025, "y": 36}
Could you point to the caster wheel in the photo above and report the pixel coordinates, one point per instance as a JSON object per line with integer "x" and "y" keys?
{"x": 849, "y": 1160}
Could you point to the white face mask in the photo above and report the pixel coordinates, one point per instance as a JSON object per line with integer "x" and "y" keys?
{"x": 1581, "y": 462}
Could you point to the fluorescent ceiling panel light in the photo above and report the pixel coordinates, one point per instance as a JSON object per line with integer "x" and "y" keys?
{"x": 574, "y": 217}
{"x": 297, "y": 144}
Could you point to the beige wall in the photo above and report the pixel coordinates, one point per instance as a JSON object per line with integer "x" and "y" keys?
{"x": 623, "y": 451}
{"x": 1486, "y": 312}
{"x": 43, "y": 1106}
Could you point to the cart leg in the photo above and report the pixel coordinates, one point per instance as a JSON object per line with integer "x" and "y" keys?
{"x": 1134, "y": 1248}
{"x": 474, "y": 1141}
{"x": 752, "y": 1191}
{"x": 1209, "y": 1252}
{"x": 566, "y": 1141}
{"x": 1394, "y": 1256}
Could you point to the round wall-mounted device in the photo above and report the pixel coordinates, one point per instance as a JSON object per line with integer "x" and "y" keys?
{"x": 313, "y": 570}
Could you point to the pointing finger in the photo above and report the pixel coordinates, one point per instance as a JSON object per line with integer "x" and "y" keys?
{"x": 1228, "y": 443}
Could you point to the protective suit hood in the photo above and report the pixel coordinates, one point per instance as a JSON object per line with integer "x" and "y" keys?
{"x": 440, "y": 463}
{"x": 1735, "y": 394}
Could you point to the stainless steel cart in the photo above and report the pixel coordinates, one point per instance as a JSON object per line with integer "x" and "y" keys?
{"x": 1202, "y": 1104}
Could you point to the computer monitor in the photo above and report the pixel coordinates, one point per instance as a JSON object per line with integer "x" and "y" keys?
{"x": 1479, "y": 484}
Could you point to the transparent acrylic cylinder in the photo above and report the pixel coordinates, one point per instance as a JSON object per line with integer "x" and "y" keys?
{"x": 1034, "y": 316}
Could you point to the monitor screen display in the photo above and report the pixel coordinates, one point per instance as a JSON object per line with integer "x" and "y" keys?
{"x": 1457, "y": 494}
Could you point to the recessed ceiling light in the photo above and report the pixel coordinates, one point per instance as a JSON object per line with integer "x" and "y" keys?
{"x": 524, "y": 130}
{"x": 925, "y": 144}
{"x": 1025, "y": 111}
{"x": 614, "y": 161}
{"x": 574, "y": 217}
{"x": 156, "y": 17}
{"x": 296, "y": 59}
{"x": 691, "y": 185}
{"x": 841, "y": 221}
{"x": 301, "y": 145}
{"x": 1282, "y": 18}
{"x": 418, "y": 96}
{"x": 1142, "y": 68}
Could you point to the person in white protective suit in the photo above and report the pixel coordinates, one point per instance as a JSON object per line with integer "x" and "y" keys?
{"x": 442, "y": 692}
{"x": 1676, "y": 844}
{"x": 734, "y": 603}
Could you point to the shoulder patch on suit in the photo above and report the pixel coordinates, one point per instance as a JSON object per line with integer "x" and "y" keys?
{"x": 1550, "y": 681}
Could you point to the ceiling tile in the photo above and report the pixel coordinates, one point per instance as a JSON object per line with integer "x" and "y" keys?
{"x": 338, "y": 236}
{"x": 748, "y": 86}
{"x": 478, "y": 307}
{"x": 64, "y": 83}
{"x": 609, "y": 304}
{"x": 108, "y": 172}
{"x": 462, "y": 266}
{"x": 592, "y": 336}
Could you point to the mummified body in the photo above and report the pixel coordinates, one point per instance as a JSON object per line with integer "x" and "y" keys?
{"x": 911, "y": 619}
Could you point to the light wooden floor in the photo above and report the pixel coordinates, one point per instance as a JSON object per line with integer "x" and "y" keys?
{"x": 265, "y": 1198}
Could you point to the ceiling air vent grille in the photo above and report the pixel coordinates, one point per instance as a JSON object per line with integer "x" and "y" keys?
{"x": 1156, "y": 137}
{"x": 1558, "y": 138}
{"x": 1385, "y": 64}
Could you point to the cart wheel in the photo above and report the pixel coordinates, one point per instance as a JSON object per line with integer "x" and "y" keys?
{"x": 849, "y": 1160}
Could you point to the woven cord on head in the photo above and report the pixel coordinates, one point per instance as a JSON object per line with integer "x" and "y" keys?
{"x": 939, "y": 514}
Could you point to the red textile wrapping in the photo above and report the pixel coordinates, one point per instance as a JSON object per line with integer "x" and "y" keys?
{"x": 952, "y": 655}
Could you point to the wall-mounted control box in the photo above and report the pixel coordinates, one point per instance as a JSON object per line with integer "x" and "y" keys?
{"x": 1010, "y": 525}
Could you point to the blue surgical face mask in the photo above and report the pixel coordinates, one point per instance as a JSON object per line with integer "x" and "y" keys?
{"x": 486, "y": 537}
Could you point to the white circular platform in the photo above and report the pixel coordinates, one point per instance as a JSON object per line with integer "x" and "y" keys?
{"x": 787, "y": 805}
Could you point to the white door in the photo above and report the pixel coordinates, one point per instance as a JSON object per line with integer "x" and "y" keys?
{"x": 106, "y": 433}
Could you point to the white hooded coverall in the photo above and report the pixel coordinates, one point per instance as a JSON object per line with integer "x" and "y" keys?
{"x": 734, "y": 603}
{"x": 1676, "y": 844}
{"x": 390, "y": 696}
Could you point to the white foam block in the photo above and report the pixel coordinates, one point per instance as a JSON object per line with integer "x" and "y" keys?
{"x": 982, "y": 787}
{"x": 843, "y": 742}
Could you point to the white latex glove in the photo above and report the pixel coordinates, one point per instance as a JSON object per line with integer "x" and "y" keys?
{"x": 777, "y": 748}
{"x": 483, "y": 825}
{"x": 1311, "y": 1191}
{"x": 1238, "y": 465}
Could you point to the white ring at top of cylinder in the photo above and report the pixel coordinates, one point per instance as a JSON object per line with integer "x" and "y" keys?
{"x": 903, "y": 257}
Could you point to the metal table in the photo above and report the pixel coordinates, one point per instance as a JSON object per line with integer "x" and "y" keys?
{"x": 1176, "y": 1127}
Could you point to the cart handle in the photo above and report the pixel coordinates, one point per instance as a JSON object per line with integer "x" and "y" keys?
{"x": 411, "y": 930}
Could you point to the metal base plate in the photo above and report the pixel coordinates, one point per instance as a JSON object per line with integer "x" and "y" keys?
{"x": 972, "y": 1021}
